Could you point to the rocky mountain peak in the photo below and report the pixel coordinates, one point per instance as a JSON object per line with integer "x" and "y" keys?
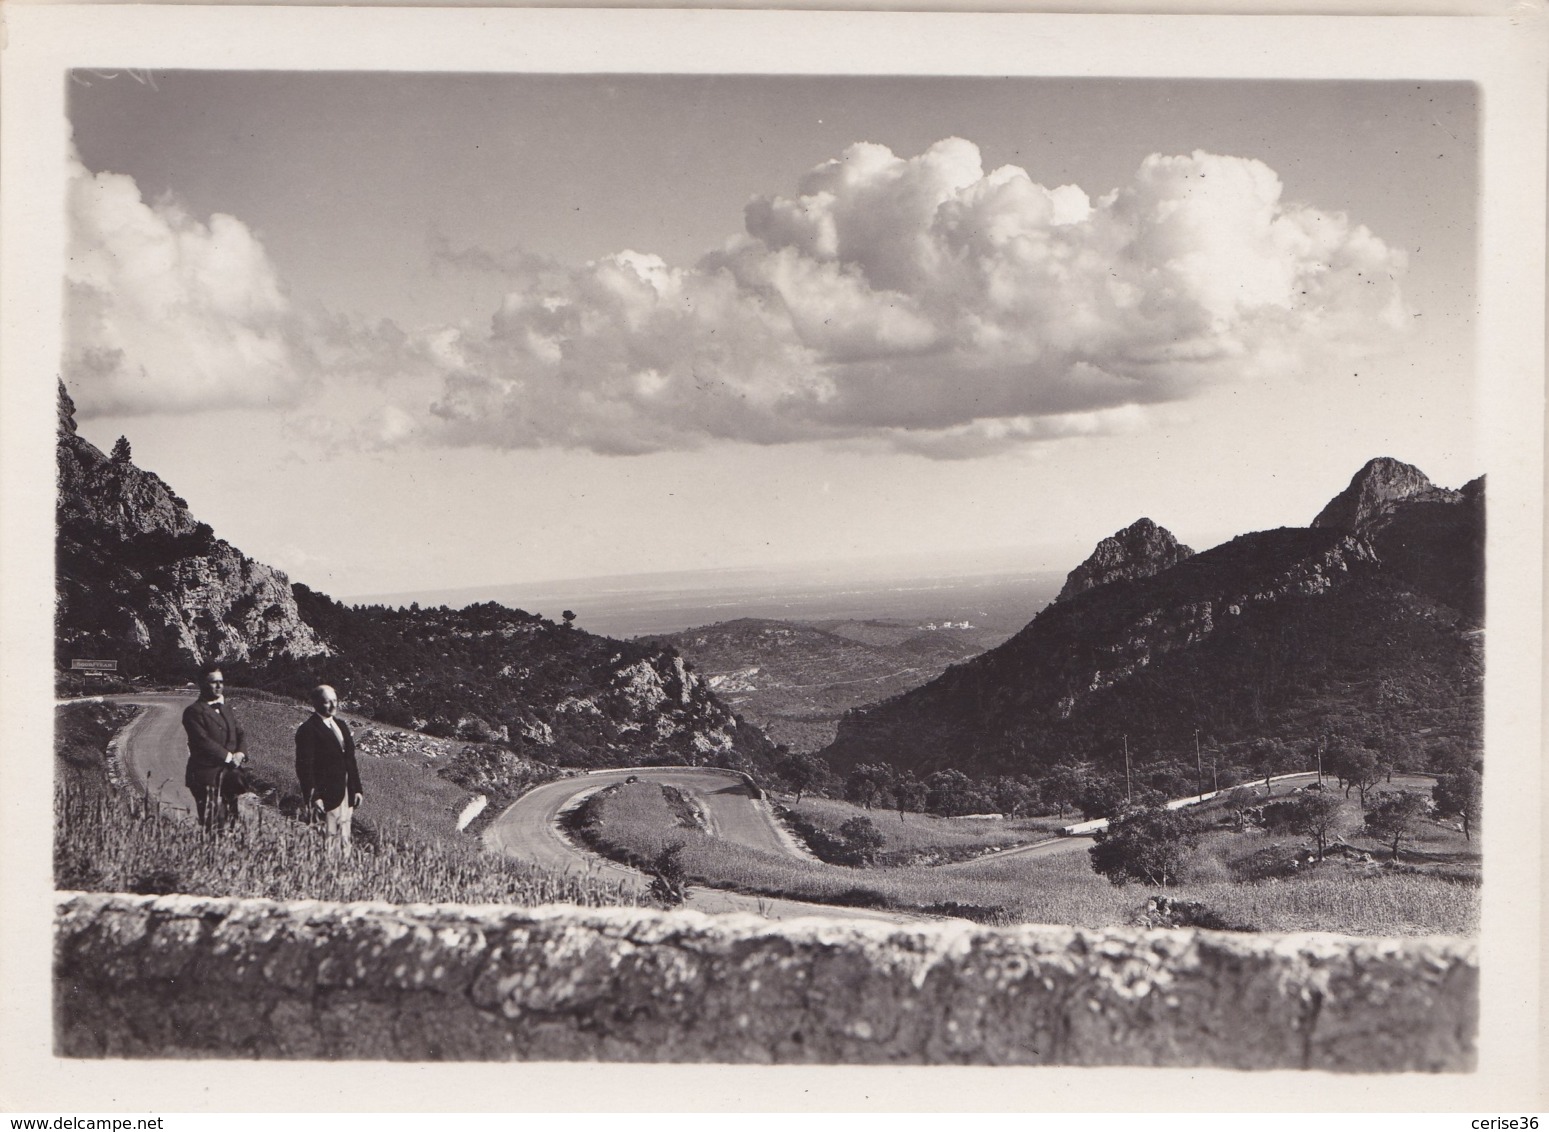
{"x": 66, "y": 412}
{"x": 1376, "y": 490}
{"x": 1138, "y": 551}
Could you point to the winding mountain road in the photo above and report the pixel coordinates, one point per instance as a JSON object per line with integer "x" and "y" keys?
{"x": 154, "y": 749}
{"x": 529, "y": 830}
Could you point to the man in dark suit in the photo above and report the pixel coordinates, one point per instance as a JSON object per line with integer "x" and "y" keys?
{"x": 325, "y": 766}
{"x": 215, "y": 755}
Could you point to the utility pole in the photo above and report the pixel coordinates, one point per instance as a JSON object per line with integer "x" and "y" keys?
{"x": 1199, "y": 767}
{"x": 1322, "y": 739}
{"x": 1215, "y": 777}
{"x": 1126, "y": 769}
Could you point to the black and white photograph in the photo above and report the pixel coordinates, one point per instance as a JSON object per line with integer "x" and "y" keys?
{"x": 671, "y": 549}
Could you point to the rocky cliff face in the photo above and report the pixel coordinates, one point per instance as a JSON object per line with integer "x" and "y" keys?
{"x": 1138, "y": 551}
{"x": 1376, "y": 491}
{"x": 1279, "y": 634}
{"x": 659, "y": 697}
{"x": 140, "y": 580}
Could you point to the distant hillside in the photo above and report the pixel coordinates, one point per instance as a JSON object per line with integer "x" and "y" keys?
{"x": 796, "y": 680}
{"x": 545, "y": 690}
{"x": 1366, "y": 627}
{"x": 142, "y": 582}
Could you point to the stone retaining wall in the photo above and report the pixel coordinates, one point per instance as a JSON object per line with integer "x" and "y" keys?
{"x": 181, "y": 976}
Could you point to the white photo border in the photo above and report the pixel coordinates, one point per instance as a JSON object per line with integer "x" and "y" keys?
{"x": 1504, "y": 54}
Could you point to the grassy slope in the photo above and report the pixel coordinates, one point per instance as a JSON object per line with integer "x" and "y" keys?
{"x": 403, "y": 791}
{"x": 81, "y": 734}
{"x": 635, "y": 823}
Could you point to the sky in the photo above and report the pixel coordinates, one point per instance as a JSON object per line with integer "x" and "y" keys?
{"x": 403, "y": 332}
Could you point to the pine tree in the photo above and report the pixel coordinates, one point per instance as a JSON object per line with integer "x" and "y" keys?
{"x": 121, "y": 451}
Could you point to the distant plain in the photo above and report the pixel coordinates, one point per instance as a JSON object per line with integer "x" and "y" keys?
{"x": 639, "y": 605}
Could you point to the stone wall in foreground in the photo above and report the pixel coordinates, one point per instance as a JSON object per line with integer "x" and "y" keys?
{"x": 181, "y": 976}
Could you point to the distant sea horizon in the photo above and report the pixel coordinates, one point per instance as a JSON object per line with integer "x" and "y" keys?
{"x": 986, "y": 594}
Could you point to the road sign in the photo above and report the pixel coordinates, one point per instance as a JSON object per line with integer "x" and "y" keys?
{"x": 94, "y": 665}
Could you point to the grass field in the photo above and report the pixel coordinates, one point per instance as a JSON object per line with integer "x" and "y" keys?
{"x": 634, "y": 823}
{"x": 927, "y": 838}
{"x": 110, "y": 843}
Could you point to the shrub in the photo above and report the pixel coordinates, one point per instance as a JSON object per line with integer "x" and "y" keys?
{"x": 861, "y": 840}
{"x": 669, "y": 880}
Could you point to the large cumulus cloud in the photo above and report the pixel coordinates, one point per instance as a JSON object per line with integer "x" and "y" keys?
{"x": 918, "y": 303}
{"x": 934, "y": 306}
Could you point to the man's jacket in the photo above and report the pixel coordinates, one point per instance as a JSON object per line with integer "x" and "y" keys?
{"x": 325, "y": 768}
{"x": 213, "y": 733}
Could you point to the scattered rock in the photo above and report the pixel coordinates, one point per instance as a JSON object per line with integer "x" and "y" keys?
{"x": 1169, "y": 912}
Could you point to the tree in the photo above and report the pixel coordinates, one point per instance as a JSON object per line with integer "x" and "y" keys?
{"x": 1396, "y": 817}
{"x": 1240, "y": 800}
{"x": 1267, "y": 757}
{"x": 1101, "y": 798}
{"x": 1063, "y": 785}
{"x": 908, "y": 794}
{"x": 866, "y": 782}
{"x": 1312, "y": 813}
{"x": 953, "y": 793}
{"x": 1458, "y": 794}
{"x": 121, "y": 450}
{"x": 1149, "y": 844}
{"x": 569, "y": 616}
{"x": 1015, "y": 796}
{"x": 803, "y": 772}
{"x": 1357, "y": 767}
{"x": 1403, "y": 752}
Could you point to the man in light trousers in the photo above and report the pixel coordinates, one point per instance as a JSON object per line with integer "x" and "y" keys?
{"x": 325, "y": 766}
